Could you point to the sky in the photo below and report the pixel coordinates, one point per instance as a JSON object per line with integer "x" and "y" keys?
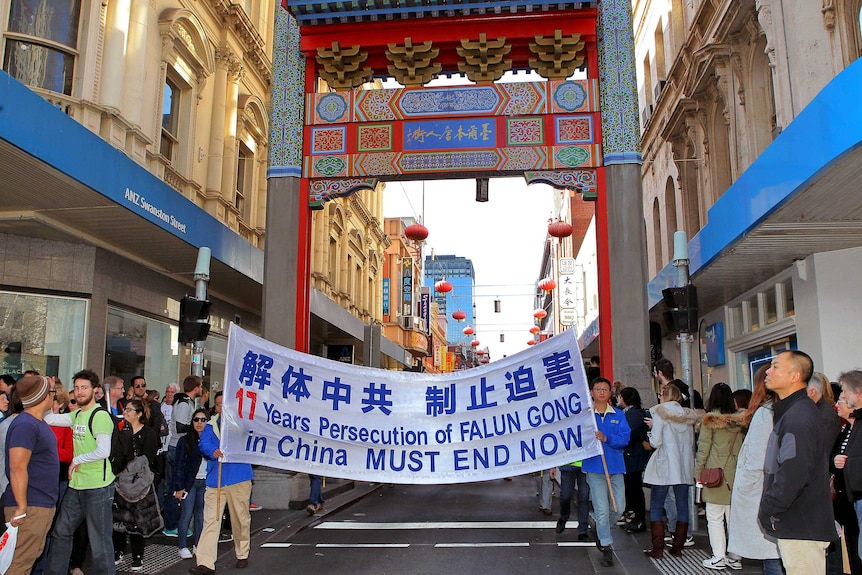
{"x": 504, "y": 238}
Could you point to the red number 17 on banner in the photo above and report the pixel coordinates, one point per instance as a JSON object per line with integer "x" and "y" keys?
{"x": 252, "y": 395}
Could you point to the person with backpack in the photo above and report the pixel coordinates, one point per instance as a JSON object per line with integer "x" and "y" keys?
{"x": 136, "y": 510}
{"x": 91, "y": 481}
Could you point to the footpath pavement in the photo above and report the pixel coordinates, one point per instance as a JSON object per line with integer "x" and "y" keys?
{"x": 161, "y": 555}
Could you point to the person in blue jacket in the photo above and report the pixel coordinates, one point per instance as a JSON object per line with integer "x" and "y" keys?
{"x": 188, "y": 483}
{"x": 607, "y": 470}
{"x": 235, "y": 491}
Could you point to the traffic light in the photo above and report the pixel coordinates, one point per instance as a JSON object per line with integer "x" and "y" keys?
{"x": 682, "y": 303}
{"x": 193, "y": 319}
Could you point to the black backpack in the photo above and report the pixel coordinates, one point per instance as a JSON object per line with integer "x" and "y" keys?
{"x": 122, "y": 445}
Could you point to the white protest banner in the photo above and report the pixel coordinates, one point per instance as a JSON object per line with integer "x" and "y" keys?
{"x": 524, "y": 413}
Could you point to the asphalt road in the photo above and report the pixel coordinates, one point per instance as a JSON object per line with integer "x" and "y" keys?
{"x": 492, "y": 527}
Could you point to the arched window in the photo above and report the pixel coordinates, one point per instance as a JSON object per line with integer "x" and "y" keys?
{"x": 41, "y": 43}
{"x": 670, "y": 213}
{"x": 656, "y": 235}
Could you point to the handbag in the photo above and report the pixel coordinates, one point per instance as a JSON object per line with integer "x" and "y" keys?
{"x": 7, "y": 546}
{"x": 711, "y": 476}
{"x": 714, "y": 476}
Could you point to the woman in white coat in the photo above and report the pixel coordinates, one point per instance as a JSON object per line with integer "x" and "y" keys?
{"x": 671, "y": 466}
{"x": 746, "y": 538}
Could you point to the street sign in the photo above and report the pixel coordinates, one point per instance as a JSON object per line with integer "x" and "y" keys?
{"x": 568, "y": 316}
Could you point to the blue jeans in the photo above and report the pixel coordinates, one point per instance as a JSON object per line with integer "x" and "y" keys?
{"x": 171, "y": 507}
{"x": 192, "y": 507}
{"x": 601, "y": 496}
{"x": 772, "y": 567}
{"x": 569, "y": 476}
{"x": 315, "y": 496}
{"x": 94, "y": 506}
{"x": 659, "y": 494}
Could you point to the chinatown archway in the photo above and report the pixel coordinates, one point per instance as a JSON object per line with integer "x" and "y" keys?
{"x": 572, "y": 134}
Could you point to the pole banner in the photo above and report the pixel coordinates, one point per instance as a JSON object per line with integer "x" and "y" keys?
{"x": 523, "y": 413}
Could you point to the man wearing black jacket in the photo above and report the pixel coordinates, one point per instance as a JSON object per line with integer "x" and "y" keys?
{"x": 796, "y": 507}
{"x": 664, "y": 373}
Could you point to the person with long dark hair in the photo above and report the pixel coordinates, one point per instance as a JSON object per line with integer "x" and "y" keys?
{"x": 189, "y": 483}
{"x": 139, "y": 519}
{"x": 635, "y": 457}
{"x": 721, "y": 436}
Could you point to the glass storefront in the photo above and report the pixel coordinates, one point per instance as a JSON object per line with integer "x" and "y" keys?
{"x": 42, "y": 333}
{"x": 138, "y": 345}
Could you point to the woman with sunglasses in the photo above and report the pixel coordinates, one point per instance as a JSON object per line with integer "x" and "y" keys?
{"x": 142, "y": 518}
{"x": 189, "y": 483}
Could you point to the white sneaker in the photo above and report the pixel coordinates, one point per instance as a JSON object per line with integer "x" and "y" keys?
{"x": 714, "y": 563}
{"x": 185, "y": 553}
{"x": 733, "y": 563}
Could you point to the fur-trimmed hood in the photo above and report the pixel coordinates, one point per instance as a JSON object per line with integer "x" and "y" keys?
{"x": 717, "y": 420}
{"x": 673, "y": 412}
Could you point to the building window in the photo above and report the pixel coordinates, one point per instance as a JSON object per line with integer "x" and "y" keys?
{"x": 42, "y": 42}
{"x": 170, "y": 119}
{"x": 244, "y": 177}
{"x": 137, "y": 345}
{"x": 44, "y": 333}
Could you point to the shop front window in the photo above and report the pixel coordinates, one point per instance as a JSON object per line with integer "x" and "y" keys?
{"x": 138, "y": 345}
{"x": 42, "y": 333}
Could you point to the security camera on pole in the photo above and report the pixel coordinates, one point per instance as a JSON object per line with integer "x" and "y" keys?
{"x": 194, "y": 313}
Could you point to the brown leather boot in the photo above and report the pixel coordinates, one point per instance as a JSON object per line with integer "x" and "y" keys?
{"x": 679, "y": 536}
{"x": 657, "y": 551}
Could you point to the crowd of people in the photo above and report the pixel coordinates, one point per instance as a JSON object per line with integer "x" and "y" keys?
{"x": 777, "y": 469}
{"x": 101, "y": 470}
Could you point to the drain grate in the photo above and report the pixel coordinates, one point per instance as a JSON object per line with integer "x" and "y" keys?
{"x": 156, "y": 559}
{"x": 691, "y": 563}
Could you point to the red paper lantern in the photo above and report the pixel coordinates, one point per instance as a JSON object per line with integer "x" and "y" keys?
{"x": 475, "y": 343}
{"x": 480, "y": 352}
{"x": 535, "y": 329}
{"x": 459, "y": 315}
{"x": 484, "y": 360}
{"x": 540, "y": 313}
{"x": 468, "y": 330}
{"x": 416, "y": 232}
{"x": 560, "y": 229}
{"x": 443, "y": 286}
{"x": 547, "y": 284}
{"x": 531, "y": 342}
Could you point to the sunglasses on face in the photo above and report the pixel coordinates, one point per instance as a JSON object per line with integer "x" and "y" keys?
{"x": 140, "y": 385}
{"x": 200, "y": 419}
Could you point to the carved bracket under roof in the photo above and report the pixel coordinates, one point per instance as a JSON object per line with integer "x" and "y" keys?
{"x": 342, "y": 67}
{"x": 483, "y": 60}
{"x": 321, "y": 191}
{"x": 583, "y": 181}
{"x": 557, "y": 57}
{"x": 413, "y": 64}
{"x": 255, "y": 47}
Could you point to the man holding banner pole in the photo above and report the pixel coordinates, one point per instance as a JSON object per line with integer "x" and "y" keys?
{"x": 605, "y": 472}
{"x": 226, "y": 483}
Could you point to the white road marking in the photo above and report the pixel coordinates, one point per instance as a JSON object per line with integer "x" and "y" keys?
{"x": 455, "y": 545}
{"x": 360, "y": 526}
{"x": 363, "y": 545}
{"x": 576, "y": 544}
{"x": 276, "y": 545}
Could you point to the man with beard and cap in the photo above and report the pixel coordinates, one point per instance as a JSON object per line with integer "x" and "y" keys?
{"x": 32, "y": 465}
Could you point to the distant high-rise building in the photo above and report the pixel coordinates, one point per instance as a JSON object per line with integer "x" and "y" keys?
{"x": 459, "y": 272}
